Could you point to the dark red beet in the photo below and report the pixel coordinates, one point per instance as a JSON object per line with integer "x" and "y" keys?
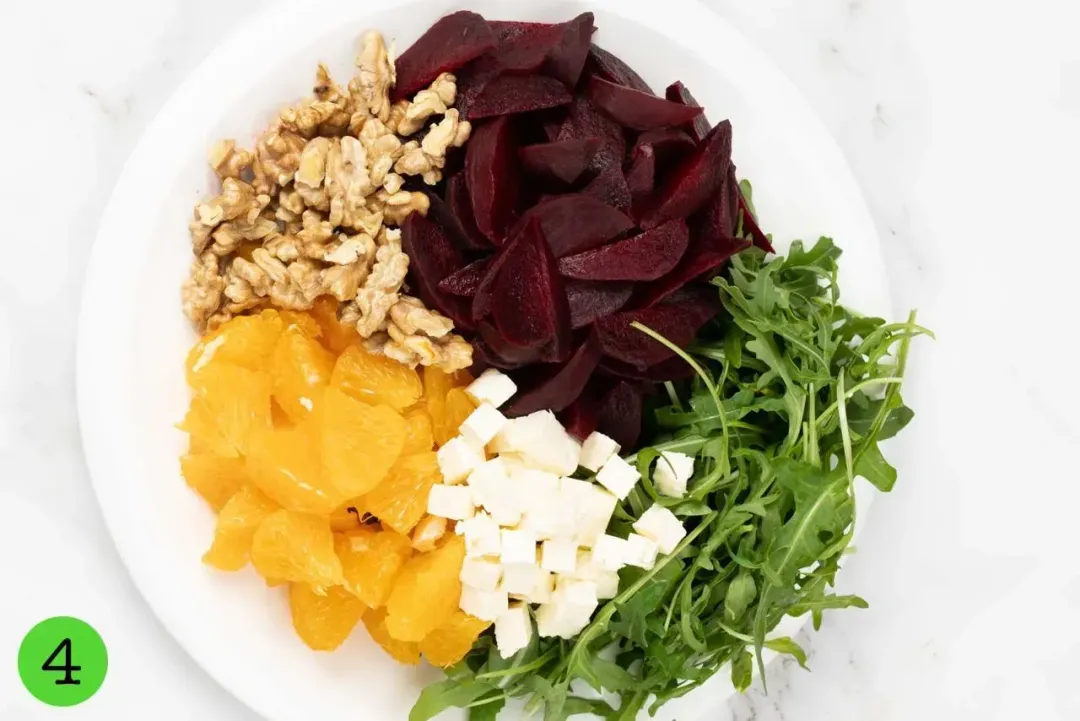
{"x": 446, "y": 46}
{"x": 563, "y": 160}
{"x": 646, "y": 256}
{"x": 460, "y": 204}
{"x": 719, "y": 218}
{"x": 591, "y": 300}
{"x": 471, "y": 81}
{"x": 433, "y": 257}
{"x": 504, "y": 352}
{"x": 579, "y": 418}
{"x": 491, "y": 172}
{"x": 750, "y": 226}
{"x": 585, "y": 121}
{"x": 485, "y": 292}
{"x": 557, "y": 389}
{"x": 523, "y": 47}
{"x": 641, "y": 174}
{"x": 604, "y": 65}
{"x": 575, "y": 222}
{"x": 610, "y": 188}
{"x": 484, "y": 357}
{"x": 671, "y": 145}
{"x": 678, "y": 322}
{"x": 679, "y": 93}
{"x": 635, "y": 109}
{"x": 673, "y": 369}
{"x": 704, "y": 256}
{"x": 508, "y": 94}
{"x": 619, "y": 414}
{"x": 465, "y": 281}
{"x": 690, "y": 185}
{"x": 567, "y": 58}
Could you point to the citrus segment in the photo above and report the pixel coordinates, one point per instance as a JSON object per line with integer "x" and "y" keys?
{"x": 236, "y": 525}
{"x": 215, "y": 478}
{"x": 426, "y": 592}
{"x": 296, "y": 547}
{"x": 360, "y": 442}
{"x": 401, "y": 651}
{"x": 335, "y": 335}
{"x": 284, "y": 464}
{"x": 300, "y": 369}
{"x": 455, "y": 409}
{"x": 448, "y": 644}
{"x": 400, "y": 501}
{"x": 323, "y": 621}
{"x": 230, "y": 404}
{"x": 371, "y": 560}
{"x": 246, "y": 341}
{"x": 348, "y": 516}
{"x": 376, "y": 379}
{"x": 428, "y": 532}
{"x": 419, "y": 436}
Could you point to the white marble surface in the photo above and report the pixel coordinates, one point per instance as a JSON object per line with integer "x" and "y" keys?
{"x": 962, "y": 121}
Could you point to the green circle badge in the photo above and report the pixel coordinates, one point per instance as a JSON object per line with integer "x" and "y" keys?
{"x": 62, "y": 661}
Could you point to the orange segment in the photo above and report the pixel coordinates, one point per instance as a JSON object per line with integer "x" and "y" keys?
{"x": 360, "y": 442}
{"x": 230, "y": 404}
{"x": 419, "y": 436}
{"x": 247, "y": 341}
{"x": 376, "y": 379}
{"x": 296, "y": 547}
{"x": 371, "y": 561}
{"x": 304, "y": 322}
{"x": 284, "y": 464}
{"x": 401, "y": 651}
{"x": 428, "y": 532}
{"x": 348, "y": 516}
{"x": 300, "y": 368}
{"x": 336, "y": 336}
{"x": 236, "y": 525}
{"x": 455, "y": 409}
{"x": 400, "y": 501}
{"x": 447, "y": 645}
{"x": 323, "y": 621}
{"x": 215, "y": 478}
{"x": 426, "y": 592}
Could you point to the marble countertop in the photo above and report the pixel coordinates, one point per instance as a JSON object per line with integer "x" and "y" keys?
{"x": 960, "y": 120}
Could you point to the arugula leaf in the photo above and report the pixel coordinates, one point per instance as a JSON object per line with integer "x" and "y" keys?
{"x": 788, "y": 646}
{"x": 873, "y": 467}
{"x": 443, "y": 695}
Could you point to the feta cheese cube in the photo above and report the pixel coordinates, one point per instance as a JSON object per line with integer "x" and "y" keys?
{"x": 520, "y": 579}
{"x": 483, "y": 574}
{"x": 575, "y": 592}
{"x": 457, "y": 459}
{"x": 492, "y": 387}
{"x": 609, "y": 552}
{"x": 543, "y": 511}
{"x": 660, "y": 525}
{"x": 541, "y": 441}
{"x": 482, "y": 537}
{"x": 585, "y": 568}
{"x": 640, "y": 551}
{"x": 561, "y": 619}
{"x": 493, "y": 489}
{"x": 618, "y": 476}
{"x": 485, "y": 605}
{"x": 544, "y": 588}
{"x": 483, "y": 424}
{"x": 592, "y": 515}
{"x": 607, "y": 585}
{"x": 571, "y": 489}
{"x": 597, "y": 450}
{"x": 513, "y": 630}
{"x": 453, "y": 502}
{"x": 559, "y": 555}
{"x": 673, "y": 470}
{"x": 518, "y": 547}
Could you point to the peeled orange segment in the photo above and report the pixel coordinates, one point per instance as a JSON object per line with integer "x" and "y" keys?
{"x": 284, "y": 464}
{"x": 426, "y": 592}
{"x": 448, "y": 644}
{"x": 246, "y": 341}
{"x": 455, "y": 409}
{"x": 428, "y": 532}
{"x": 371, "y": 560}
{"x": 348, "y": 516}
{"x": 400, "y": 501}
{"x": 419, "y": 435}
{"x": 296, "y": 547}
{"x": 376, "y": 379}
{"x": 336, "y": 336}
{"x": 360, "y": 442}
{"x": 304, "y": 322}
{"x": 215, "y": 478}
{"x": 301, "y": 368}
{"x": 230, "y": 403}
{"x": 401, "y": 651}
{"x": 236, "y": 525}
{"x": 436, "y": 385}
{"x": 323, "y": 621}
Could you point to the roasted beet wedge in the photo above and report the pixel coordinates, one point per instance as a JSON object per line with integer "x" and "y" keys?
{"x": 585, "y": 121}
{"x": 449, "y": 44}
{"x": 637, "y": 110}
{"x": 641, "y": 174}
{"x": 556, "y": 389}
{"x": 703, "y": 258}
{"x": 523, "y": 47}
{"x": 690, "y": 185}
{"x": 750, "y": 226}
{"x": 646, "y": 256}
{"x": 678, "y": 322}
{"x": 492, "y": 174}
{"x": 432, "y": 257}
{"x": 575, "y": 222}
{"x": 611, "y": 189}
{"x": 673, "y": 369}
{"x": 567, "y": 58}
{"x": 579, "y": 418}
{"x": 679, "y": 93}
{"x": 465, "y": 281}
{"x": 590, "y": 300}
{"x": 448, "y": 213}
{"x": 509, "y": 94}
{"x": 563, "y": 160}
{"x": 619, "y": 414}
{"x": 671, "y": 145}
{"x": 604, "y": 65}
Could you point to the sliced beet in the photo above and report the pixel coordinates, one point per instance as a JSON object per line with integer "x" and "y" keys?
{"x": 509, "y": 94}
{"x": 678, "y": 322}
{"x": 432, "y": 257}
{"x": 579, "y": 418}
{"x": 611, "y": 189}
{"x": 567, "y": 58}
{"x": 471, "y": 81}
{"x": 679, "y": 93}
{"x": 585, "y": 121}
{"x": 505, "y": 352}
{"x": 559, "y": 388}
{"x": 575, "y": 222}
{"x": 590, "y": 300}
{"x": 704, "y": 255}
{"x": 604, "y": 65}
{"x": 635, "y": 109}
{"x": 450, "y": 43}
{"x": 465, "y": 281}
{"x": 719, "y": 218}
{"x": 671, "y": 145}
{"x": 646, "y": 256}
{"x": 460, "y": 204}
{"x": 563, "y": 160}
{"x": 491, "y": 172}
{"x": 690, "y": 185}
{"x": 484, "y": 299}
{"x": 523, "y": 47}
{"x": 532, "y": 307}
{"x": 750, "y": 226}
{"x": 641, "y": 174}
{"x": 673, "y": 369}
{"x": 619, "y": 414}
{"x": 484, "y": 357}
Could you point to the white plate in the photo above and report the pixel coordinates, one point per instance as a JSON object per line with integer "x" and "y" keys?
{"x": 133, "y": 338}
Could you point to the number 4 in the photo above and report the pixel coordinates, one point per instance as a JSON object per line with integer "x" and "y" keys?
{"x": 67, "y": 668}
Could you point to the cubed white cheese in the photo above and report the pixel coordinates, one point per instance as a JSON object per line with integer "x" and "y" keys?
{"x": 457, "y": 459}
{"x": 609, "y": 552}
{"x": 575, "y": 592}
{"x": 592, "y": 515}
{"x": 483, "y": 574}
{"x": 641, "y": 551}
{"x": 673, "y": 470}
{"x": 544, "y": 514}
{"x": 561, "y": 619}
{"x": 492, "y": 387}
{"x": 571, "y": 489}
{"x": 482, "y": 424}
{"x": 513, "y": 630}
{"x": 559, "y": 555}
{"x": 493, "y": 489}
{"x": 485, "y": 605}
{"x": 518, "y": 547}
{"x": 520, "y": 579}
{"x": 482, "y": 536}
{"x": 660, "y": 525}
{"x": 618, "y": 476}
{"x": 585, "y": 568}
{"x": 597, "y": 450}
{"x": 541, "y": 441}
{"x": 607, "y": 585}
{"x": 544, "y": 588}
{"x": 453, "y": 502}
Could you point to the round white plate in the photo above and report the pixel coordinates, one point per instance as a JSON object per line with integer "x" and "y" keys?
{"x": 133, "y": 337}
